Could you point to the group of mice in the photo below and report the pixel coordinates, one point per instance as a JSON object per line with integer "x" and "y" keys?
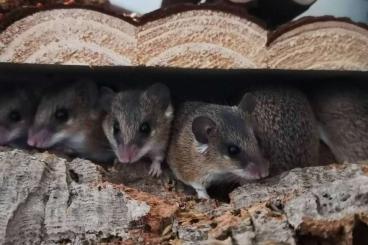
{"x": 201, "y": 142}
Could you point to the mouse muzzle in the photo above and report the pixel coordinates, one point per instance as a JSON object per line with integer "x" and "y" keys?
{"x": 259, "y": 170}
{"x": 127, "y": 153}
{"x": 39, "y": 138}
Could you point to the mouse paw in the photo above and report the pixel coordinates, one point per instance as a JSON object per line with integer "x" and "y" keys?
{"x": 155, "y": 169}
{"x": 202, "y": 194}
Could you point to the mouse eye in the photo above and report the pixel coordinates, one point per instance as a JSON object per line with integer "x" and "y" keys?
{"x": 14, "y": 116}
{"x": 61, "y": 115}
{"x": 233, "y": 150}
{"x": 145, "y": 128}
{"x": 116, "y": 127}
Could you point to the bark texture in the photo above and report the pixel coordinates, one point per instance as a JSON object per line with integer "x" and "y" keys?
{"x": 49, "y": 200}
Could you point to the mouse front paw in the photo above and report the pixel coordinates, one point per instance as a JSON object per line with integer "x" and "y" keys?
{"x": 155, "y": 169}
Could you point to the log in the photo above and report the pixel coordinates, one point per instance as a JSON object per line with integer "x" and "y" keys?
{"x": 201, "y": 37}
{"x": 47, "y": 199}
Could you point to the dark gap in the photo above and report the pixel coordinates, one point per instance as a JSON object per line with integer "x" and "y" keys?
{"x": 340, "y": 237}
{"x": 74, "y": 176}
{"x": 360, "y": 233}
{"x": 325, "y": 154}
{"x": 208, "y": 85}
{"x": 111, "y": 239}
{"x": 314, "y": 240}
{"x": 221, "y": 191}
{"x": 72, "y": 195}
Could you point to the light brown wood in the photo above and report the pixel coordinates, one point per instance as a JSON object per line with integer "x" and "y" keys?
{"x": 195, "y": 39}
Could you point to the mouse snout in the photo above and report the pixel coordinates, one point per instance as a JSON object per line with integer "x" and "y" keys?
{"x": 39, "y": 138}
{"x": 127, "y": 153}
{"x": 4, "y": 135}
{"x": 259, "y": 170}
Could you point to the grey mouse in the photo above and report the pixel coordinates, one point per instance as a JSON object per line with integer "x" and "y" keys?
{"x": 139, "y": 124}
{"x": 17, "y": 108}
{"x": 70, "y": 120}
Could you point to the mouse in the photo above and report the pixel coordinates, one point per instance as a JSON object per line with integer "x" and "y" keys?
{"x": 138, "y": 125}
{"x": 69, "y": 120}
{"x": 213, "y": 143}
{"x": 286, "y": 127}
{"x": 342, "y": 115}
{"x": 17, "y": 108}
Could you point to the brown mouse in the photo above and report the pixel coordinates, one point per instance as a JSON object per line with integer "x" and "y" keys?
{"x": 285, "y": 127}
{"x": 70, "y": 120}
{"x": 342, "y": 114}
{"x": 139, "y": 124}
{"x": 210, "y": 142}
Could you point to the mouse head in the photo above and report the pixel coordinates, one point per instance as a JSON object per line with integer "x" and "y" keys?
{"x": 226, "y": 140}
{"x": 62, "y": 114}
{"x": 139, "y": 122}
{"x": 16, "y": 114}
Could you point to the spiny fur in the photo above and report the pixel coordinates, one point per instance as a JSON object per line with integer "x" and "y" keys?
{"x": 342, "y": 114}
{"x": 286, "y": 128}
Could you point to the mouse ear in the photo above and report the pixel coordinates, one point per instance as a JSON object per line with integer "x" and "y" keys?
{"x": 158, "y": 94}
{"x": 248, "y": 103}
{"x": 203, "y": 129}
{"x": 87, "y": 92}
{"x": 106, "y": 97}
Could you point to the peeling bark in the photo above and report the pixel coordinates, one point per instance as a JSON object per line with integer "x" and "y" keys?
{"x": 49, "y": 200}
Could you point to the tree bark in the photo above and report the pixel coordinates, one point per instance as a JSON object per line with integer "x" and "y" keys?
{"x": 49, "y": 200}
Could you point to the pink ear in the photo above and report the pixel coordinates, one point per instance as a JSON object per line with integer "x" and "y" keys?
{"x": 248, "y": 103}
{"x": 203, "y": 129}
{"x": 159, "y": 93}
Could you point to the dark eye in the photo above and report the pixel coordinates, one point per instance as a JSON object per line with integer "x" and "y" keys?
{"x": 145, "y": 128}
{"x": 116, "y": 127}
{"x": 14, "y": 116}
{"x": 62, "y": 115}
{"x": 233, "y": 150}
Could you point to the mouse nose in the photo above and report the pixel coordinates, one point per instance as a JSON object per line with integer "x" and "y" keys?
{"x": 265, "y": 169}
{"x": 127, "y": 153}
{"x": 31, "y": 141}
{"x": 260, "y": 170}
{"x": 38, "y": 138}
{"x": 263, "y": 173}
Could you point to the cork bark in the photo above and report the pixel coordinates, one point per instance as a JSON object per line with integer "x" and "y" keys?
{"x": 50, "y": 200}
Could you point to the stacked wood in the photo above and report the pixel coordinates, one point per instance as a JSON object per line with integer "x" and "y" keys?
{"x": 195, "y": 38}
{"x": 47, "y": 199}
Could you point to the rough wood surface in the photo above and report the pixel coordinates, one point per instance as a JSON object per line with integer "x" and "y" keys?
{"x": 199, "y": 38}
{"x": 44, "y": 198}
